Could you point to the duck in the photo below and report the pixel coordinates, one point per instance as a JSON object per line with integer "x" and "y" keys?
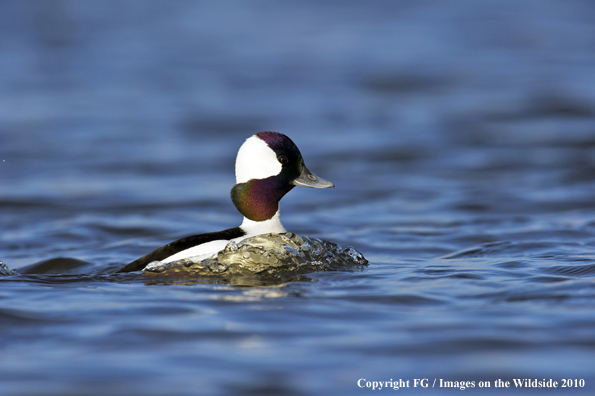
{"x": 268, "y": 165}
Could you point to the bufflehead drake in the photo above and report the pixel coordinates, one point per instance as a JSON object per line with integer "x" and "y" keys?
{"x": 268, "y": 166}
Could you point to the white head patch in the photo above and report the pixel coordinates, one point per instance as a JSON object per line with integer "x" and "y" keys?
{"x": 256, "y": 160}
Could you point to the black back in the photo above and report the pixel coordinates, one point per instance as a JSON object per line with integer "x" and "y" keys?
{"x": 181, "y": 244}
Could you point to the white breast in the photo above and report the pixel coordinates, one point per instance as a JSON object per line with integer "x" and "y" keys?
{"x": 272, "y": 225}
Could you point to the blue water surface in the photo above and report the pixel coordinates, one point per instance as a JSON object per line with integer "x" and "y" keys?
{"x": 460, "y": 137}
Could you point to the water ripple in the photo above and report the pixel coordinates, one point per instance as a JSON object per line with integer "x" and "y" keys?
{"x": 270, "y": 257}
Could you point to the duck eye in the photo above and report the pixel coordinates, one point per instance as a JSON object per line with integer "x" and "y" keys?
{"x": 283, "y": 159}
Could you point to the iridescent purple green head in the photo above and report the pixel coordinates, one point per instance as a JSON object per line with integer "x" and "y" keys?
{"x": 268, "y": 166}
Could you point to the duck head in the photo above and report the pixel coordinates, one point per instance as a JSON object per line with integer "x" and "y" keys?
{"x": 268, "y": 166}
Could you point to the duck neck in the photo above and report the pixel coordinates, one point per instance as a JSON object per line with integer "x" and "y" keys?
{"x": 272, "y": 225}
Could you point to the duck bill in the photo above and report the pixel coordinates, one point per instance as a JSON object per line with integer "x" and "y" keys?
{"x": 309, "y": 179}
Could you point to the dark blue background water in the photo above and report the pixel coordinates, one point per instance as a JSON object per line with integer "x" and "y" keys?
{"x": 460, "y": 136}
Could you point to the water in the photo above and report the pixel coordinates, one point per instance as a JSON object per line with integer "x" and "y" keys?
{"x": 461, "y": 139}
{"x": 261, "y": 260}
